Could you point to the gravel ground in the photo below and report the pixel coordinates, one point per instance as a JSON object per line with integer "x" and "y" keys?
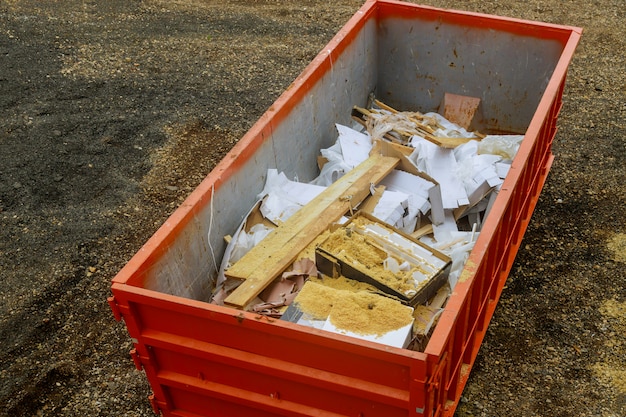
{"x": 111, "y": 112}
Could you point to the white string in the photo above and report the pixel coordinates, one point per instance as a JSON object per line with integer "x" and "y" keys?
{"x": 210, "y": 227}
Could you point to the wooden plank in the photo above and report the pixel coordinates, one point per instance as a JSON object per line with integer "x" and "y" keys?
{"x": 266, "y": 261}
{"x": 422, "y": 231}
{"x": 370, "y": 204}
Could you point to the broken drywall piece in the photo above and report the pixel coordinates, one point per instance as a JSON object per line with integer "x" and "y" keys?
{"x": 391, "y": 208}
{"x": 491, "y": 199}
{"x": 410, "y": 184}
{"x": 282, "y": 197}
{"x": 457, "y": 245}
{"x": 350, "y": 149}
{"x": 459, "y": 256}
{"x": 276, "y": 209}
{"x": 437, "y": 212}
{"x": 476, "y": 214}
{"x": 355, "y": 146}
{"x": 440, "y": 164}
{"x": 478, "y": 174}
{"x": 466, "y": 151}
{"x": 418, "y": 191}
{"x": 443, "y": 230}
{"x": 502, "y": 168}
{"x": 334, "y": 166}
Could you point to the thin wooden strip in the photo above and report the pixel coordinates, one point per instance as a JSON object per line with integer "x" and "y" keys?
{"x": 385, "y": 106}
{"x": 422, "y": 231}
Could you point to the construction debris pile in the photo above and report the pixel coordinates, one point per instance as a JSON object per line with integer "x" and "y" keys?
{"x": 373, "y": 246}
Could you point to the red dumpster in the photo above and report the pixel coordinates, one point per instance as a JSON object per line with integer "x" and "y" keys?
{"x": 208, "y": 360}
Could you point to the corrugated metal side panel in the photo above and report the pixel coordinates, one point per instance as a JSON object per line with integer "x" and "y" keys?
{"x": 461, "y": 330}
{"x": 277, "y": 367}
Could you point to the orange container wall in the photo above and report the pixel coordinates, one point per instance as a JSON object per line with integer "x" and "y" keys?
{"x": 207, "y": 360}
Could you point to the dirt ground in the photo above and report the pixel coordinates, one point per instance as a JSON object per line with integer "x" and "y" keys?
{"x": 111, "y": 112}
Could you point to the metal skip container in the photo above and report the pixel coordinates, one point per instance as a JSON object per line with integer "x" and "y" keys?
{"x": 203, "y": 359}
